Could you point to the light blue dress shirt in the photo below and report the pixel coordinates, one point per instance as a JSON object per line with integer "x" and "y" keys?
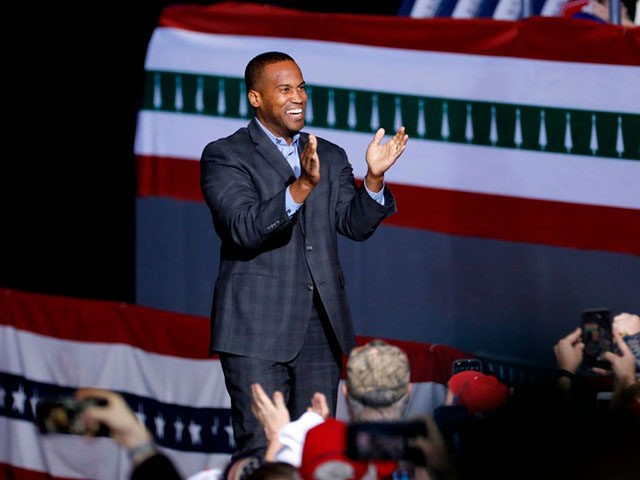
{"x": 291, "y": 154}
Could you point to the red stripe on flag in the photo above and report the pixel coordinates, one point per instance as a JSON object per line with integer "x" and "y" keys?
{"x": 561, "y": 224}
{"x": 166, "y": 333}
{"x": 550, "y": 38}
{"x": 16, "y": 473}
{"x": 169, "y": 177}
{"x": 101, "y": 321}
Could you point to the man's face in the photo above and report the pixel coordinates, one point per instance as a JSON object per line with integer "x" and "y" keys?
{"x": 280, "y": 99}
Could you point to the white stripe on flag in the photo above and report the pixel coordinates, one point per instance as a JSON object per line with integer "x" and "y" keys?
{"x": 410, "y": 72}
{"x": 508, "y": 10}
{"x": 472, "y": 168}
{"x": 71, "y": 456}
{"x": 466, "y": 8}
{"x": 180, "y": 381}
{"x": 74, "y": 456}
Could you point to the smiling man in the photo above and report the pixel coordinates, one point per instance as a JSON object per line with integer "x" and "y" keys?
{"x": 278, "y": 199}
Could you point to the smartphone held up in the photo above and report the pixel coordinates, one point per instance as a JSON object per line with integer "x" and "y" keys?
{"x": 385, "y": 440}
{"x": 63, "y": 414}
{"x": 596, "y": 336}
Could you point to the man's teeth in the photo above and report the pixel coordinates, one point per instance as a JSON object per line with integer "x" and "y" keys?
{"x": 297, "y": 111}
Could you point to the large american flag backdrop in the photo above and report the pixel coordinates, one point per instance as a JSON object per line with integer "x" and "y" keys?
{"x": 518, "y": 198}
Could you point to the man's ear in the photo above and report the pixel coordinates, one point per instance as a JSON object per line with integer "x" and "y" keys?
{"x": 254, "y": 98}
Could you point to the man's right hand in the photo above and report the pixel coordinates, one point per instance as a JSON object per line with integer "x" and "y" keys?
{"x": 309, "y": 171}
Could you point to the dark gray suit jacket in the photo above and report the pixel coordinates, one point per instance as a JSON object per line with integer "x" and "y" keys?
{"x": 269, "y": 263}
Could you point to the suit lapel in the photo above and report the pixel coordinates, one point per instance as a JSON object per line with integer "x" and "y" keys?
{"x": 276, "y": 160}
{"x": 270, "y": 152}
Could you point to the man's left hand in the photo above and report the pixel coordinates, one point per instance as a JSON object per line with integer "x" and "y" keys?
{"x": 380, "y": 157}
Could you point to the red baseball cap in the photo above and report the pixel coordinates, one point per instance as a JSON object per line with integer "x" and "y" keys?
{"x": 323, "y": 455}
{"x": 479, "y": 392}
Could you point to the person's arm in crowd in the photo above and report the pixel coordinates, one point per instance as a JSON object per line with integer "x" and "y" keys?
{"x": 284, "y": 437}
{"x": 627, "y": 323}
{"x": 439, "y": 465}
{"x": 319, "y": 405}
{"x": 569, "y": 353}
{"x": 272, "y": 415}
{"x": 601, "y": 9}
{"x": 627, "y": 387}
{"x": 125, "y": 428}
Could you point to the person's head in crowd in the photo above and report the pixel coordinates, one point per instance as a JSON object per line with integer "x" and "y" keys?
{"x": 480, "y": 393}
{"x": 250, "y": 468}
{"x": 323, "y": 455}
{"x": 376, "y": 388}
{"x": 242, "y": 468}
{"x": 596, "y": 10}
{"x": 274, "y": 471}
{"x": 378, "y": 383}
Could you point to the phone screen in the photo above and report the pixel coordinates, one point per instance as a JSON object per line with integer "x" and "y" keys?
{"x": 64, "y": 415}
{"x": 385, "y": 440}
{"x": 596, "y": 336}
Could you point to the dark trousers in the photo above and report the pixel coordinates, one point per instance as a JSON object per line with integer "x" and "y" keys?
{"x": 316, "y": 368}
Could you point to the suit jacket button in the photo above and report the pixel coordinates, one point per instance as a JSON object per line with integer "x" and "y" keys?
{"x": 309, "y": 248}
{"x": 310, "y": 287}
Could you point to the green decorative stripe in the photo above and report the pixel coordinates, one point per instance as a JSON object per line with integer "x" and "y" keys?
{"x": 503, "y": 125}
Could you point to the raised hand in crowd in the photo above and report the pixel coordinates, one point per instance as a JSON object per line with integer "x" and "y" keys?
{"x": 568, "y": 351}
{"x": 434, "y": 448}
{"x": 272, "y": 414}
{"x": 274, "y": 417}
{"x": 319, "y": 405}
{"x": 627, "y": 323}
{"x": 624, "y": 360}
{"x": 622, "y": 364}
{"x": 127, "y": 430}
{"x": 124, "y": 426}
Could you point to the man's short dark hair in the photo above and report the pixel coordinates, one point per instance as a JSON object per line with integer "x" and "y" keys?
{"x": 256, "y": 65}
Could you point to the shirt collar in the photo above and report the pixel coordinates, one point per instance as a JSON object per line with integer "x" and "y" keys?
{"x": 279, "y": 141}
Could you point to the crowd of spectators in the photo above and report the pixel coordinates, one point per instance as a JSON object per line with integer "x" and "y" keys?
{"x": 583, "y": 424}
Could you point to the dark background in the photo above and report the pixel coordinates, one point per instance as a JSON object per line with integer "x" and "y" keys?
{"x": 72, "y": 87}
{"x": 73, "y": 76}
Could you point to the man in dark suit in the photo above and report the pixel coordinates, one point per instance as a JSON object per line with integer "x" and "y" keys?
{"x": 278, "y": 198}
